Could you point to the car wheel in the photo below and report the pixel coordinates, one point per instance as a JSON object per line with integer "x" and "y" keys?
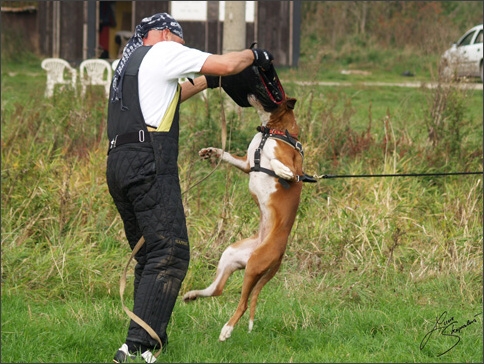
{"x": 482, "y": 75}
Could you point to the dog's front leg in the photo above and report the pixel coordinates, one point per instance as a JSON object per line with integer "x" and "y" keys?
{"x": 281, "y": 170}
{"x": 241, "y": 163}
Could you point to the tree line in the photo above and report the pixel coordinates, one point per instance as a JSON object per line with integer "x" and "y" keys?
{"x": 426, "y": 25}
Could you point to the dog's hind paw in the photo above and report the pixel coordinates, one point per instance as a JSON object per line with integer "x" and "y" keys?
{"x": 225, "y": 333}
{"x": 190, "y": 296}
{"x": 206, "y": 153}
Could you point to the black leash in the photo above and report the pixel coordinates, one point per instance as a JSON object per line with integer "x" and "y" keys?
{"x": 327, "y": 176}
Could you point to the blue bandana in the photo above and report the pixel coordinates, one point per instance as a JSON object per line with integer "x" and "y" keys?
{"x": 158, "y": 21}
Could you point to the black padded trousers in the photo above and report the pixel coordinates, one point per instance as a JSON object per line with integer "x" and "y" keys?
{"x": 147, "y": 195}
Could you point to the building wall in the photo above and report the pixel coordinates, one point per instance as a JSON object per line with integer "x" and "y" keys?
{"x": 274, "y": 32}
{"x": 62, "y": 28}
{"x": 18, "y": 29}
{"x": 60, "y": 25}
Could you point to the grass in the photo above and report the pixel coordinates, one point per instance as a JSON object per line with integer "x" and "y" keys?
{"x": 344, "y": 317}
{"x": 371, "y": 262}
{"x": 364, "y": 53}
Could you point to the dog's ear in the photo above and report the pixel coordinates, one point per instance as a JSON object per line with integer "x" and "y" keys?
{"x": 290, "y": 102}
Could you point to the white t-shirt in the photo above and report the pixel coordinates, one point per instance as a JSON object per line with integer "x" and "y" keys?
{"x": 158, "y": 76}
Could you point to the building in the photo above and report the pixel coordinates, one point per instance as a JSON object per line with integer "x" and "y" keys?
{"x": 77, "y": 30}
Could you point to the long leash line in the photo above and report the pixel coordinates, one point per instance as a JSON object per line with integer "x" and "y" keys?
{"x": 328, "y": 176}
{"x": 141, "y": 241}
{"x": 131, "y": 314}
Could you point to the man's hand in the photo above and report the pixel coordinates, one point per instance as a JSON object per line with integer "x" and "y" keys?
{"x": 262, "y": 58}
{"x": 212, "y": 81}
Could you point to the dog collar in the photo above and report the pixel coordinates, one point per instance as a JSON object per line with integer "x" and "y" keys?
{"x": 266, "y": 130}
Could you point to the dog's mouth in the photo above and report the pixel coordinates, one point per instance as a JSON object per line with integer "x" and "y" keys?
{"x": 264, "y": 84}
{"x": 270, "y": 88}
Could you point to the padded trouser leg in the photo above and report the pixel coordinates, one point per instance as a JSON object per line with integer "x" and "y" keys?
{"x": 150, "y": 205}
{"x": 157, "y": 292}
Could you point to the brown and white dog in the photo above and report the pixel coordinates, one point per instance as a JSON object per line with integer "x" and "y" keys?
{"x": 274, "y": 162}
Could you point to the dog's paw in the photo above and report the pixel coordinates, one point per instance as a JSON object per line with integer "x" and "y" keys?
{"x": 251, "y": 325}
{"x": 206, "y": 153}
{"x": 225, "y": 333}
{"x": 281, "y": 170}
{"x": 190, "y": 296}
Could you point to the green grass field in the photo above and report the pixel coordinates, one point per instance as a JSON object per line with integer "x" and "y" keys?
{"x": 327, "y": 318}
{"x": 376, "y": 270}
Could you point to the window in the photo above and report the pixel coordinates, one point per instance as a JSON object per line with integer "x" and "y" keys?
{"x": 479, "y": 37}
{"x": 467, "y": 39}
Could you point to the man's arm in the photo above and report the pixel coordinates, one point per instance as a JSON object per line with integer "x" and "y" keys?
{"x": 217, "y": 65}
{"x": 188, "y": 89}
{"x": 224, "y": 65}
{"x": 227, "y": 64}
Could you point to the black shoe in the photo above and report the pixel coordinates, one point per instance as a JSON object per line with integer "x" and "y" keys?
{"x": 124, "y": 356}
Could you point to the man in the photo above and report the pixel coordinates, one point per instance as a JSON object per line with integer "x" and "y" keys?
{"x": 142, "y": 172}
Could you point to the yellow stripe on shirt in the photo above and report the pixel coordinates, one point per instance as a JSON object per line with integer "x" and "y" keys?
{"x": 167, "y": 120}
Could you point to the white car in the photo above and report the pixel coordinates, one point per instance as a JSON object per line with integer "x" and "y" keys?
{"x": 464, "y": 58}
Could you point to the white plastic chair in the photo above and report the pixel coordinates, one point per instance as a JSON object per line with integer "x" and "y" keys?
{"x": 95, "y": 72}
{"x": 58, "y": 72}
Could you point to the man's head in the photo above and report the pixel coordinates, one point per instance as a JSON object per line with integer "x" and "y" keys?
{"x": 159, "y": 21}
{"x": 160, "y": 35}
{"x": 152, "y": 29}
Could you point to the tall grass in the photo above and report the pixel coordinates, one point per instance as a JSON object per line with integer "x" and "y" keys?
{"x": 370, "y": 262}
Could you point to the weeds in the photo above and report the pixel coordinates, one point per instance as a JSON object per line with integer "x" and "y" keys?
{"x": 445, "y": 122}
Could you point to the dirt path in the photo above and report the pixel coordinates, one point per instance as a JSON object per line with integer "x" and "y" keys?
{"x": 470, "y": 86}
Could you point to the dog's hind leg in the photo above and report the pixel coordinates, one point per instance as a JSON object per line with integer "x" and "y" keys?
{"x": 249, "y": 282}
{"x": 233, "y": 258}
{"x": 258, "y": 266}
{"x": 258, "y": 287}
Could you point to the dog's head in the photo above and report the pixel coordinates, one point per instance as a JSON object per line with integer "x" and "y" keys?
{"x": 281, "y": 118}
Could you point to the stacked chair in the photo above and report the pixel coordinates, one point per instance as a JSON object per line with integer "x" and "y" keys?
{"x": 92, "y": 72}
{"x": 59, "y": 72}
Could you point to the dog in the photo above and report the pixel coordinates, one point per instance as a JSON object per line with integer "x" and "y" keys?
{"x": 274, "y": 162}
